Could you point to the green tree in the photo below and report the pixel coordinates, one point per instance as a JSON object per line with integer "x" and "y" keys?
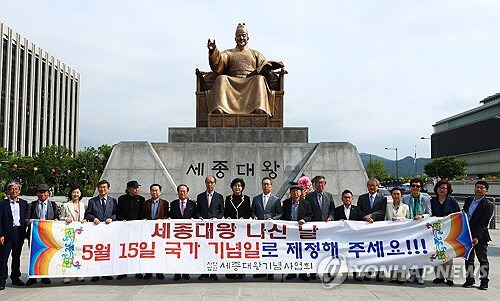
{"x": 375, "y": 169}
{"x": 54, "y": 163}
{"x": 445, "y": 167}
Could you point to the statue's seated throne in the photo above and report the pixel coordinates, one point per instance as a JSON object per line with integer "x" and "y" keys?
{"x": 205, "y": 81}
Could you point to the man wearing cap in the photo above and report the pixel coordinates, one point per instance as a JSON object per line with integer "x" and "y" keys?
{"x": 209, "y": 204}
{"x": 129, "y": 209}
{"x": 42, "y": 209}
{"x": 101, "y": 208}
{"x": 13, "y": 216}
{"x": 296, "y": 210}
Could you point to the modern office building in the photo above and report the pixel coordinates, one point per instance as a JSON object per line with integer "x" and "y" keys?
{"x": 40, "y": 97}
{"x": 473, "y": 136}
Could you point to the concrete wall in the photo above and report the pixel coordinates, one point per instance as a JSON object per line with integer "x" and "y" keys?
{"x": 171, "y": 164}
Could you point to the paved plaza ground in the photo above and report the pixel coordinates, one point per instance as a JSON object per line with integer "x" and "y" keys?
{"x": 254, "y": 289}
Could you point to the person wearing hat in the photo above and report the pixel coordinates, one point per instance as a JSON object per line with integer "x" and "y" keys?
{"x": 295, "y": 209}
{"x": 42, "y": 209}
{"x": 129, "y": 209}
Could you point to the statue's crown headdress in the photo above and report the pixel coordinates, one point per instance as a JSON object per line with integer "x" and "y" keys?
{"x": 241, "y": 26}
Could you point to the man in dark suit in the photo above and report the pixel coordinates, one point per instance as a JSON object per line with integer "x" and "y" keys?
{"x": 42, "y": 209}
{"x": 101, "y": 208}
{"x": 182, "y": 208}
{"x": 266, "y": 206}
{"x": 296, "y": 210}
{"x": 322, "y": 202}
{"x": 347, "y": 211}
{"x": 209, "y": 205}
{"x": 373, "y": 205}
{"x": 153, "y": 209}
{"x": 479, "y": 210}
{"x": 14, "y": 214}
{"x": 129, "y": 208}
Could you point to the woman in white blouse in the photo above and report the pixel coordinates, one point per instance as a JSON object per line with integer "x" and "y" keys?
{"x": 73, "y": 211}
{"x": 397, "y": 211}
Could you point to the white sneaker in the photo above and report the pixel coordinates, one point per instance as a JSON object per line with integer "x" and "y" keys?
{"x": 420, "y": 281}
{"x": 66, "y": 280}
{"x": 80, "y": 279}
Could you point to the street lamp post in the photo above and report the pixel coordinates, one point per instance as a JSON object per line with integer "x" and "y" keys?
{"x": 397, "y": 174}
{"x": 435, "y": 153}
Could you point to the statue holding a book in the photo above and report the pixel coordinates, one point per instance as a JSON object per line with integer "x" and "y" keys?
{"x": 241, "y": 86}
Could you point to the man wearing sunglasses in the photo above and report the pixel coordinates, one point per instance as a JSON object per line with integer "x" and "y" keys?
{"x": 420, "y": 207}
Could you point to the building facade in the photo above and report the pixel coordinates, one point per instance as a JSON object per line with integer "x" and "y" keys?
{"x": 473, "y": 136}
{"x": 40, "y": 97}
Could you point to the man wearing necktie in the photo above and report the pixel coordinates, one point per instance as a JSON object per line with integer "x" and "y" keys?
{"x": 42, "y": 209}
{"x": 155, "y": 208}
{"x": 101, "y": 208}
{"x": 266, "y": 206}
{"x": 210, "y": 205}
{"x": 182, "y": 208}
{"x": 14, "y": 213}
{"x": 373, "y": 206}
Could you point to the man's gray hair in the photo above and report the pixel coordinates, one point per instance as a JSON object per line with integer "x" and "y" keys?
{"x": 373, "y": 179}
{"x": 12, "y": 183}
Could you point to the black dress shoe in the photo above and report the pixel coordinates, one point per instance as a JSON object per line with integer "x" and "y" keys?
{"x": 147, "y": 276}
{"x": 313, "y": 276}
{"x": 177, "y": 277}
{"x": 366, "y": 278}
{"x": 109, "y": 277}
{"x": 270, "y": 277}
{"x": 231, "y": 276}
{"x": 449, "y": 282}
{"x": 358, "y": 279}
{"x": 214, "y": 277}
{"x": 259, "y": 275}
{"x": 120, "y": 277}
{"x": 2, "y": 286}
{"x": 94, "y": 279}
{"x": 380, "y": 279}
{"x": 18, "y": 282}
{"x": 139, "y": 276}
{"x": 483, "y": 286}
{"x": 31, "y": 281}
{"x": 401, "y": 281}
{"x": 393, "y": 281}
{"x": 203, "y": 277}
{"x": 304, "y": 277}
{"x": 468, "y": 283}
{"x": 291, "y": 276}
{"x": 438, "y": 280}
{"x": 186, "y": 276}
{"x": 240, "y": 276}
{"x": 160, "y": 276}
{"x": 45, "y": 280}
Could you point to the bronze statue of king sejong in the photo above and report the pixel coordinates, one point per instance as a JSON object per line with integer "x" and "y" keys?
{"x": 241, "y": 86}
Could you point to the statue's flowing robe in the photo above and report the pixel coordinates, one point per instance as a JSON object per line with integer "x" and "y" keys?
{"x": 232, "y": 91}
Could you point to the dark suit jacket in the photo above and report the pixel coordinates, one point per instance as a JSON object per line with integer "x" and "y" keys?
{"x": 216, "y": 205}
{"x": 480, "y": 219}
{"x": 450, "y": 206}
{"x": 244, "y": 210}
{"x": 162, "y": 209}
{"x": 305, "y": 210}
{"x": 328, "y": 206}
{"x": 6, "y": 218}
{"x": 34, "y": 211}
{"x": 355, "y": 215}
{"x": 94, "y": 209}
{"x": 273, "y": 207}
{"x": 379, "y": 206}
{"x": 175, "y": 210}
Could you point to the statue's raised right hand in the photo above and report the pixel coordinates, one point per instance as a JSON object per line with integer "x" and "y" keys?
{"x": 211, "y": 45}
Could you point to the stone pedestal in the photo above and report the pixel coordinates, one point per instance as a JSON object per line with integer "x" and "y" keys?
{"x": 174, "y": 163}
{"x": 234, "y": 135}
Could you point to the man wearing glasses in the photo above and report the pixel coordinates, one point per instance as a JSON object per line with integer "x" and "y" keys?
{"x": 210, "y": 205}
{"x": 420, "y": 207}
{"x": 479, "y": 210}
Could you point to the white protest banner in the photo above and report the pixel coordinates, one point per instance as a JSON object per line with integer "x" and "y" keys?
{"x": 241, "y": 246}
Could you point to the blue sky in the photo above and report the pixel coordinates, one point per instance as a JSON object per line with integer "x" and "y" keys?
{"x": 375, "y": 73}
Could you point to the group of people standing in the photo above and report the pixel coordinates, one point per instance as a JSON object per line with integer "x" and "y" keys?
{"x": 16, "y": 216}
